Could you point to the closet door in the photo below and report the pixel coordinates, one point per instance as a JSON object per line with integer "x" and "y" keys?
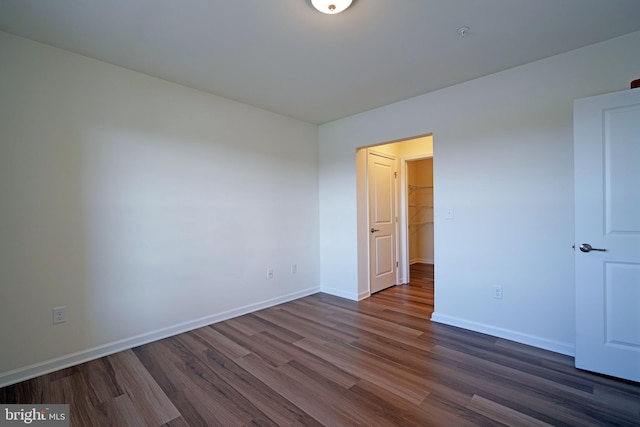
{"x": 382, "y": 221}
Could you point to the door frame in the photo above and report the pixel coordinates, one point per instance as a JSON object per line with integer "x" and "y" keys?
{"x": 403, "y": 237}
{"x": 362, "y": 214}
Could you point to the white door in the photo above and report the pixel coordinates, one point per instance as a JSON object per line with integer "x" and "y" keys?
{"x": 607, "y": 257}
{"x": 382, "y": 221}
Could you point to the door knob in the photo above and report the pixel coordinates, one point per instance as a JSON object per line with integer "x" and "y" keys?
{"x": 585, "y": 247}
{"x": 373, "y": 230}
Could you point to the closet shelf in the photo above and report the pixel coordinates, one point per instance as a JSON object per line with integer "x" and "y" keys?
{"x": 420, "y": 207}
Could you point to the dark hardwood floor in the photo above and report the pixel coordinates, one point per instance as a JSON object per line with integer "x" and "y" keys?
{"x": 323, "y": 360}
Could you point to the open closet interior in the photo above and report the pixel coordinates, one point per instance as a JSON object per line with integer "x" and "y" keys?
{"x": 420, "y": 210}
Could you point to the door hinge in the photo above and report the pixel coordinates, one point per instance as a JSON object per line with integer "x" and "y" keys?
{"x": 395, "y": 175}
{"x": 396, "y": 263}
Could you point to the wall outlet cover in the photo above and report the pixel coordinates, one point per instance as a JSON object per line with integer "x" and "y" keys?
{"x": 59, "y": 314}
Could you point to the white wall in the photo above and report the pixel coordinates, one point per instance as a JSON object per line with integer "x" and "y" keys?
{"x": 503, "y": 160}
{"x": 145, "y": 207}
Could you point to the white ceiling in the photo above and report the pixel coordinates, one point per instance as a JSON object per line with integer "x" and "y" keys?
{"x": 284, "y": 56}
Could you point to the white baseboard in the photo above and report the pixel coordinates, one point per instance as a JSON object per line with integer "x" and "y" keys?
{"x": 28, "y": 372}
{"x": 340, "y": 293}
{"x": 543, "y": 343}
{"x": 421, "y": 261}
{"x": 363, "y": 295}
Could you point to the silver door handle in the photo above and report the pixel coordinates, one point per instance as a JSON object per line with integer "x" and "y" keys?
{"x": 373, "y": 230}
{"x": 585, "y": 247}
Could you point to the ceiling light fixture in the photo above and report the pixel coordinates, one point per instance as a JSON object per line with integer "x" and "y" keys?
{"x": 331, "y": 7}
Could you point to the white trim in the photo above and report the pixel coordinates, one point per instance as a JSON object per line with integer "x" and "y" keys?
{"x": 421, "y": 261}
{"x": 342, "y": 294}
{"x": 28, "y": 372}
{"x": 532, "y": 340}
{"x": 372, "y": 150}
{"x": 363, "y": 295}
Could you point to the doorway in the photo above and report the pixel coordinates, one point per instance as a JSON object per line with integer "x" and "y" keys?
{"x": 419, "y": 217}
{"x": 410, "y": 149}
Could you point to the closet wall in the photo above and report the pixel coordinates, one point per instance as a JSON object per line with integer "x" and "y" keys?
{"x": 420, "y": 212}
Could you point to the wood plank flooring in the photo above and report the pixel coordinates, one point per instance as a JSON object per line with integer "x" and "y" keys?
{"x": 323, "y": 360}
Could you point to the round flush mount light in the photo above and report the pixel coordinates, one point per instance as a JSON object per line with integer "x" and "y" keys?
{"x": 331, "y": 7}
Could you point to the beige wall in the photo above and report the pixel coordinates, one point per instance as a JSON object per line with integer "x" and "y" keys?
{"x": 420, "y": 172}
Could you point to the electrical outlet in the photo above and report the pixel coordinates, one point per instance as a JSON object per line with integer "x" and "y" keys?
{"x": 294, "y": 268}
{"x": 59, "y": 314}
{"x": 270, "y": 273}
{"x": 497, "y": 292}
{"x": 449, "y": 213}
